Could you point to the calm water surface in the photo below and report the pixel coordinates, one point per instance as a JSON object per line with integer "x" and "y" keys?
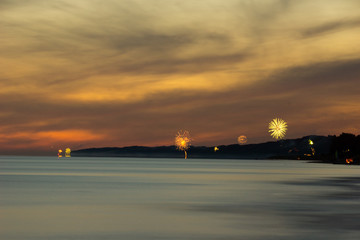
{"x": 47, "y": 198}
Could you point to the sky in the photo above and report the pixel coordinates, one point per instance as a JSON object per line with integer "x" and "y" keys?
{"x": 95, "y": 73}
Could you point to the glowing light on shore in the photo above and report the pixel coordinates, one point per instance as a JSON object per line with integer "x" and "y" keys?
{"x": 59, "y": 153}
{"x": 242, "y": 139}
{"x": 182, "y": 141}
{"x": 216, "y": 149}
{"x": 311, "y": 143}
{"x": 349, "y": 160}
{"x": 67, "y": 152}
{"x": 277, "y": 128}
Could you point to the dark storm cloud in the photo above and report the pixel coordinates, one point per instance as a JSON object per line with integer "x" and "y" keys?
{"x": 313, "y": 93}
{"x": 318, "y": 84}
{"x": 334, "y": 26}
{"x": 303, "y": 91}
{"x": 340, "y": 76}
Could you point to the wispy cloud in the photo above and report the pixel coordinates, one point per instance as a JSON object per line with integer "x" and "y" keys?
{"x": 134, "y": 72}
{"x": 330, "y": 27}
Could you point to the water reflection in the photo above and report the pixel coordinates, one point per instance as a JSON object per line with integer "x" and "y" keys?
{"x": 133, "y": 199}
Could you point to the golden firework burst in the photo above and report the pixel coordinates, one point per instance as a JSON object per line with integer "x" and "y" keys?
{"x": 67, "y": 152}
{"x": 242, "y": 139}
{"x": 277, "y": 128}
{"x": 60, "y": 153}
{"x": 182, "y": 141}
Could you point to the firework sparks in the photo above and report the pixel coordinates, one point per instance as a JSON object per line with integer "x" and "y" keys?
{"x": 67, "y": 152}
{"x": 242, "y": 139}
{"x": 59, "y": 153}
{"x": 182, "y": 141}
{"x": 277, "y": 128}
{"x": 349, "y": 160}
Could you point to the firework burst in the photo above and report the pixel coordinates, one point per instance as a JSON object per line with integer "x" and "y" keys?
{"x": 242, "y": 139}
{"x": 67, "y": 152}
{"x": 182, "y": 141}
{"x": 277, "y": 128}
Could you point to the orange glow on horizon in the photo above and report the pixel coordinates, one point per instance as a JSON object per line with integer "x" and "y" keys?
{"x": 69, "y": 135}
{"x": 45, "y": 139}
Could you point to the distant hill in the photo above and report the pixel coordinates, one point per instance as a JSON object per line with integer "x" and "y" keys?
{"x": 283, "y": 149}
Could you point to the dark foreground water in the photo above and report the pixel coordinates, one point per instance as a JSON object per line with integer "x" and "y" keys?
{"x": 45, "y": 198}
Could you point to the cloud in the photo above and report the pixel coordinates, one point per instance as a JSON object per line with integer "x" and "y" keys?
{"x": 184, "y": 66}
{"x": 58, "y": 49}
{"x": 135, "y": 72}
{"x": 330, "y": 27}
{"x": 336, "y": 75}
{"x": 319, "y": 96}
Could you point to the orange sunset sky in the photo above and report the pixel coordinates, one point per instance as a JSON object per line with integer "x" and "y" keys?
{"x": 79, "y": 73}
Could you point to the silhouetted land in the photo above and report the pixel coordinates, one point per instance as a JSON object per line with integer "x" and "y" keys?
{"x": 330, "y": 149}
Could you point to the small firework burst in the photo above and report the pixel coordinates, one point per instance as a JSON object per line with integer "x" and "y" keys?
{"x": 67, "y": 152}
{"x": 60, "y": 153}
{"x": 242, "y": 139}
{"x": 277, "y": 128}
{"x": 182, "y": 141}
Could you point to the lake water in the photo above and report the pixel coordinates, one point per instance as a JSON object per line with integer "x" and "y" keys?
{"x": 46, "y": 198}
